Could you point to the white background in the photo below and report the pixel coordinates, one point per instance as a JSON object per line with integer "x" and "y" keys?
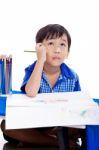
{"x": 21, "y": 19}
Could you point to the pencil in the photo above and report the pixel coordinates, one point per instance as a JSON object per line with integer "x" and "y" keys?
{"x": 29, "y": 51}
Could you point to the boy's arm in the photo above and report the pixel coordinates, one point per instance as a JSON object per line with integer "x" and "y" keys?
{"x": 33, "y": 83}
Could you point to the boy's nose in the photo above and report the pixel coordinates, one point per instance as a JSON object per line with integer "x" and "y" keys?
{"x": 57, "y": 49}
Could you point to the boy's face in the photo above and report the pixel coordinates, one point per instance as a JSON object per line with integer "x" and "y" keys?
{"x": 56, "y": 50}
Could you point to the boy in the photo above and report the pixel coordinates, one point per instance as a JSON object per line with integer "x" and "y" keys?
{"x": 47, "y": 74}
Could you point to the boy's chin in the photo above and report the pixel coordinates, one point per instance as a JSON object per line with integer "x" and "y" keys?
{"x": 56, "y": 64}
{"x": 53, "y": 64}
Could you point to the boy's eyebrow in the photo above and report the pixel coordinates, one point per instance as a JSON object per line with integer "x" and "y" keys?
{"x": 55, "y": 39}
{"x": 64, "y": 40}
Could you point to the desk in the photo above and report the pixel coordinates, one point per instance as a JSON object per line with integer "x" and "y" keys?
{"x": 92, "y": 130}
{"x": 51, "y": 109}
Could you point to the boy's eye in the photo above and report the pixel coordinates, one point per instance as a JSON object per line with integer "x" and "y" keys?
{"x": 63, "y": 44}
{"x": 50, "y": 43}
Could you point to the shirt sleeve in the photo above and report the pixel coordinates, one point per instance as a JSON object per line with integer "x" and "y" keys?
{"x": 77, "y": 85}
{"x": 28, "y": 72}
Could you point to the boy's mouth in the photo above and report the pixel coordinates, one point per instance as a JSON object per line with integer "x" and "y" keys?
{"x": 56, "y": 58}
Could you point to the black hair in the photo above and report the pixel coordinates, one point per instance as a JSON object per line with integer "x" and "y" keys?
{"x": 51, "y": 31}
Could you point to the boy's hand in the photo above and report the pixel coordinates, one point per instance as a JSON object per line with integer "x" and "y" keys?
{"x": 41, "y": 52}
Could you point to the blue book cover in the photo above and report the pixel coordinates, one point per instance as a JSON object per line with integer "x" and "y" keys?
{"x": 2, "y": 105}
{"x": 3, "y": 100}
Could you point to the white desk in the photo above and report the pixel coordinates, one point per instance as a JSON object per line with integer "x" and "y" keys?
{"x": 93, "y": 113}
{"x": 25, "y": 112}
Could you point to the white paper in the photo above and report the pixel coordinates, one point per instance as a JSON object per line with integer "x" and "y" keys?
{"x": 62, "y": 109}
{"x": 71, "y": 97}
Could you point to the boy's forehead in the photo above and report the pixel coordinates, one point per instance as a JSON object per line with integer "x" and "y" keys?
{"x": 63, "y": 38}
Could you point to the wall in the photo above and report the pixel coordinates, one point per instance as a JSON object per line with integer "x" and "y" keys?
{"x": 20, "y": 20}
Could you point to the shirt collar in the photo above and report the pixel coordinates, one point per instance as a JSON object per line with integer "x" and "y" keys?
{"x": 66, "y": 71}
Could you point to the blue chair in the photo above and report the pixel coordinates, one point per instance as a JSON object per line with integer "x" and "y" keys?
{"x": 93, "y": 135}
